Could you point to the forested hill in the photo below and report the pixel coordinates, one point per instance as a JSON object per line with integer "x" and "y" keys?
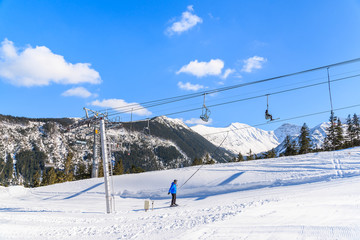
{"x": 34, "y": 145}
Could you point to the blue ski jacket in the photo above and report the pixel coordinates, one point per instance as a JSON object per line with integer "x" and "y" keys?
{"x": 172, "y": 188}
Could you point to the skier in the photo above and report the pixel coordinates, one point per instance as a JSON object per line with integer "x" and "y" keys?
{"x": 172, "y": 190}
{"x": 268, "y": 115}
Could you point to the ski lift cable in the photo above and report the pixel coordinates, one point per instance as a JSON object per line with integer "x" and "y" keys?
{"x": 141, "y": 107}
{"x": 193, "y": 95}
{"x": 250, "y": 93}
{"x": 287, "y": 119}
{"x": 203, "y": 164}
{"x": 127, "y": 109}
{"x": 263, "y": 95}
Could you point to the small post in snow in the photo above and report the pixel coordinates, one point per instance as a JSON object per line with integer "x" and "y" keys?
{"x": 146, "y": 205}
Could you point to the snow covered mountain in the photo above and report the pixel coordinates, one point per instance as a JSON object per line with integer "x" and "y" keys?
{"x": 239, "y": 138}
{"x": 286, "y": 130}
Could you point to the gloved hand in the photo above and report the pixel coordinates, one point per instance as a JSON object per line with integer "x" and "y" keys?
{"x": 168, "y": 193}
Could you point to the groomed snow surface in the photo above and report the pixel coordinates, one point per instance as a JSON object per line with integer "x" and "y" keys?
{"x": 313, "y": 196}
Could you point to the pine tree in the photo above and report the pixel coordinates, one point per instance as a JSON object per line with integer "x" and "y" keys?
{"x": 81, "y": 171}
{"x": 350, "y": 136}
{"x": 330, "y": 139}
{"x": 339, "y": 135}
{"x": 68, "y": 162}
{"x": 240, "y": 157}
{"x": 270, "y": 154}
{"x": 250, "y": 155}
{"x": 101, "y": 168}
{"x": 49, "y": 177}
{"x": 36, "y": 179}
{"x": 356, "y": 126}
{"x": 9, "y": 168}
{"x": 197, "y": 161}
{"x": 290, "y": 147}
{"x": 60, "y": 177}
{"x": 2, "y": 174}
{"x": 304, "y": 140}
{"x": 135, "y": 169}
{"x": 119, "y": 167}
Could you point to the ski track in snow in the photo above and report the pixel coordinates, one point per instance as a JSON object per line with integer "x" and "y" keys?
{"x": 310, "y": 196}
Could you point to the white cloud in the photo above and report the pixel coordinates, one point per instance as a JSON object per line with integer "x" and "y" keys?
{"x": 198, "y": 121}
{"x": 188, "y": 20}
{"x": 190, "y": 87}
{"x": 227, "y": 73}
{"x": 202, "y": 69}
{"x": 121, "y": 106}
{"x": 252, "y": 63}
{"x": 39, "y": 67}
{"x": 78, "y": 92}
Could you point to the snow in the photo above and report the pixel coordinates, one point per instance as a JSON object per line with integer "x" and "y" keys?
{"x": 312, "y": 196}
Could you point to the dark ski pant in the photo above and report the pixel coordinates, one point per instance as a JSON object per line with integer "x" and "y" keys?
{"x": 173, "y": 200}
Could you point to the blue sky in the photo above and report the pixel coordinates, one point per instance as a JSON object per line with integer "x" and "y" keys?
{"x": 60, "y": 56}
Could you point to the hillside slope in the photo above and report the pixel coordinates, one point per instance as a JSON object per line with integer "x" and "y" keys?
{"x": 302, "y": 197}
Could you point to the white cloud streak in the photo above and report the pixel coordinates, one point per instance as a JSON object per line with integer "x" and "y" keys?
{"x": 77, "y": 92}
{"x": 190, "y": 87}
{"x": 188, "y": 20}
{"x": 121, "y": 106}
{"x": 252, "y": 63}
{"x": 39, "y": 67}
{"x": 198, "y": 121}
{"x": 202, "y": 69}
{"x": 227, "y": 73}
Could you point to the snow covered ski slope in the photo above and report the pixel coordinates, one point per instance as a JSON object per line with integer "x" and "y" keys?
{"x": 313, "y": 196}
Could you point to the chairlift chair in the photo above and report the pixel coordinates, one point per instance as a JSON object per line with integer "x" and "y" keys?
{"x": 205, "y": 114}
{"x": 268, "y": 116}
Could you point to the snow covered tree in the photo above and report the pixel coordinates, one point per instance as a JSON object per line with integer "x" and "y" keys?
{"x": 304, "y": 140}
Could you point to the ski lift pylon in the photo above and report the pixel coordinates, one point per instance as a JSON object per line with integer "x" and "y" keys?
{"x": 205, "y": 112}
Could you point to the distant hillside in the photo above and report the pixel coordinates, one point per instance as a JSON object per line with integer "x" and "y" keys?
{"x": 170, "y": 144}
